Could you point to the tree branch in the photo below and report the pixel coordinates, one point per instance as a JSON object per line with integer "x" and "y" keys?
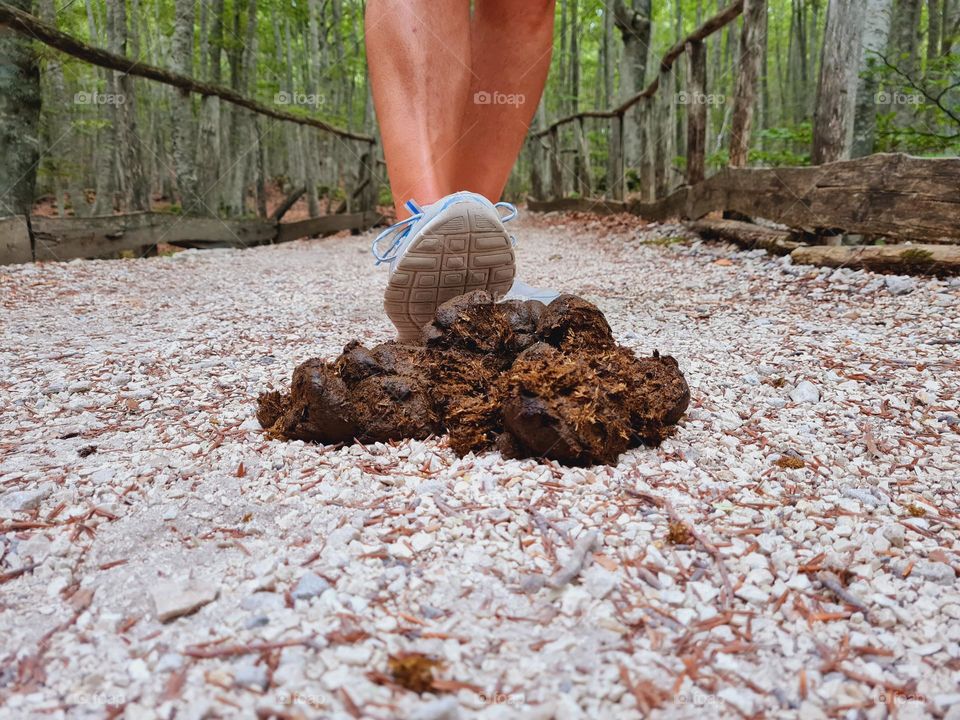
{"x": 30, "y": 26}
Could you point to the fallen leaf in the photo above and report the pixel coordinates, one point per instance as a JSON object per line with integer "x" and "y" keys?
{"x": 413, "y": 671}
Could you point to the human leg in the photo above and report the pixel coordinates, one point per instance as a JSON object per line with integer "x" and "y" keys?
{"x": 511, "y": 45}
{"x": 418, "y": 52}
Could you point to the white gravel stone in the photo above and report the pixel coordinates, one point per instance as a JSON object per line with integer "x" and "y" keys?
{"x": 937, "y": 572}
{"x": 896, "y": 534}
{"x": 138, "y": 670}
{"x": 310, "y": 585}
{"x": 553, "y": 587}
{"x": 175, "y": 599}
{"x": 805, "y": 392}
{"x": 23, "y": 500}
{"x": 422, "y": 542}
{"x": 898, "y": 285}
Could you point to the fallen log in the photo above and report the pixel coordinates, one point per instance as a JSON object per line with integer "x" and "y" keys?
{"x": 92, "y": 237}
{"x": 326, "y": 225}
{"x": 933, "y": 260}
{"x": 599, "y": 207}
{"x": 748, "y": 235}
{"x": 882, "y": 195}
{"x": 69, "y": 238}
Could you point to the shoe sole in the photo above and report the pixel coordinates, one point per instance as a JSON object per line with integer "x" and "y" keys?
{"x": 462, "y": 250}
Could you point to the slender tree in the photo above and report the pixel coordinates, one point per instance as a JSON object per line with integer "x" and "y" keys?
{"x": 876, "y": 31}
{"x": 19, "y": 119}
{"x": 183, "y": 136}
{"x": 634, "y": 23}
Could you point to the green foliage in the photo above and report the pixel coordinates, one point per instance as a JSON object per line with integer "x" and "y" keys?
{"x": 783, "y": 146}
{"x": 338, "y": 76}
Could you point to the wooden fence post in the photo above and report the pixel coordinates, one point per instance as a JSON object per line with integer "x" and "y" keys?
{"x": 648, "y": 175}
{"x": 367, "y": 185}
{"x": 745, "y": 95}
{"x": 697, "y": 108}
{"x": 665, "y": 133}
{"x": 615, "y": 159}
{"x": 535, "y": 148}
{"x": 583, "y": 164}
{"x": 556, "y": 167}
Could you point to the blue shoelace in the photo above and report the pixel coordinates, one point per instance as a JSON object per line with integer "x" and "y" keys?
{"x": 398, "y": 231}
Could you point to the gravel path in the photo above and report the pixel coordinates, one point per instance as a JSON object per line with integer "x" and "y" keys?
{"x": 792, "y": 551}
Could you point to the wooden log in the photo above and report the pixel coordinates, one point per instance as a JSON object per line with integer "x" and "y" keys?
{"x": 599, "y": 207}
{"x": 935, "y": 260}
{"x": 745, "y": 93}
{"x": 748, "y": 235}
{"x": 888, "y": 195}
{"x": 326, "y": 225}
{"x": 72, "y": 237}
{"x": 14, "y": 241}
{"x": 696, "y": 104}
{"x": 69, "y": 238}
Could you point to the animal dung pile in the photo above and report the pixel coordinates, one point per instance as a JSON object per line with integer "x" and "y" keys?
{"x": 528, "y": 379}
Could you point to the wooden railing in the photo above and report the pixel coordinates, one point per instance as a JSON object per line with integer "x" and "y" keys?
{"x": 64, "y": 238}
{"x": 890, "y": 196}
{"x": 53, "y": 238}
{"x": 657, "y": 119}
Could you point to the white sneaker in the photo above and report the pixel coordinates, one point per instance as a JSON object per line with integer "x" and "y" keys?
{"x": 521, "y": 291}
{"x": 445, "y": 249}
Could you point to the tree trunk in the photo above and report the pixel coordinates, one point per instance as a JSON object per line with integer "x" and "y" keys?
{"x": 905, "y": 36}
{"x": 951, "y": 26}
{"x": 648, "y": 153}
{"x": 103, "y": 153}
{"x": 696, "y": 112}
{"x": 19, "y": 120}
{"x": 934, "y": 30}
{"x": 215, "y": 46}
{"x": 208, "y": 153}
{"x": 55, "y": 129}
{"x": 633, "y": 22}
{"x": 665, "y": 133}
{"x": 837, "y": 89}
{"x": 745, "y": 95}
{"x": 310, "y": 144}
{"x": 876, "y": 31}
{"x": 183, "y": 147}
{"x": 133, "y": 184}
